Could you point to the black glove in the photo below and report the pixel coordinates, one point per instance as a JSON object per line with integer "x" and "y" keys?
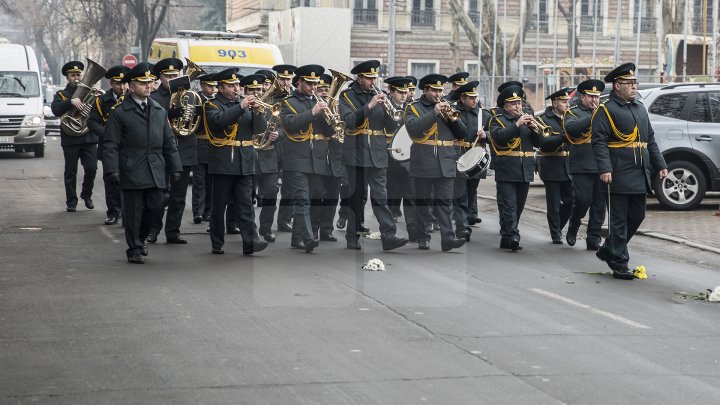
{"x": 175, "y": 177}
{"x": 114, "y": 178}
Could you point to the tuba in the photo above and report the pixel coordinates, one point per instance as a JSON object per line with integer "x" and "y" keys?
{"x": 74, "y": 122}
{"x": 332, "y": 113}
{"x": 188, "y": 100}
{"x": 262, "y": 141}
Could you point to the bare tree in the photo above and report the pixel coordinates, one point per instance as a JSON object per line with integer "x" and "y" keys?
{"x": 149, "y": 16}
{"x": 567, "y": 11}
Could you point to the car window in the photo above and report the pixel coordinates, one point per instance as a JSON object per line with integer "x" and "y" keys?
{"x": 714, "y": 97}
{"x": 701, "y": 109}
{"x": 669, "y": 105}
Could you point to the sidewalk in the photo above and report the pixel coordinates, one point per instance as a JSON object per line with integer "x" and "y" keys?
{"x": 698, "y": 228}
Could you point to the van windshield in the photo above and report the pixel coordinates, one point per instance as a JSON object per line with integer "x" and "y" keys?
{"x": 19, "y": 84}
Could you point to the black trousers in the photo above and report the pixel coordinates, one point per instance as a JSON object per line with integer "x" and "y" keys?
{"x": 627, "y": 211}
{"x": 285, "y": 213}
{"x": 240, "y": 189}
{"x": 87, "y": 155}
{"x": 587, "y": 195}
{"x": 434, "y": 195}
{"x": 395, "y": 180}
{"x": 511, "y": 197}
{"x": 268, "y": 189}
{"x": 141, "y": 208}
{"x": 407, "y": 191}
{"x": 559, "y": 200}
{"x": 176, "y": 204}
{"x": 322, "y": 222}
{"x": 345, "y": 193}
{"x": 306, "y": 191}
{"x": 113, "y": 198}
{"x": 472, "y": 186}
{"x": 201, "y": 191}
{"x": 359, "y": 179}
{"x": 461, "y": 205}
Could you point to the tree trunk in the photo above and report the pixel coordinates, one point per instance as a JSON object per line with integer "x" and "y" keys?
{"x": 567, "y": 12}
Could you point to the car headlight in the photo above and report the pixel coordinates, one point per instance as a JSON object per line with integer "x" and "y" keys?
{"x": 33, "y": 121}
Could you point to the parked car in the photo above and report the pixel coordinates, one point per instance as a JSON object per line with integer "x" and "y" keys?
{"x": 686, "y": 121}
{"x": 52, "y": 123}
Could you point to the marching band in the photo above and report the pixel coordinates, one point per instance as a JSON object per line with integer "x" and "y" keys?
{"x": 304, "y": 134}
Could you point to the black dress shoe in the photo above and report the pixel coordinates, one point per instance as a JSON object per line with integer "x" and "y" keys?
{"x": 144, "y": 250}
{"x": 206, "y": 218}
{"x": 197, "y": 219}
{"x": 152, "y": 237}
{"x": 256, "y": 246}
{"x": 363, "y": 228}
{"x": 424, "y": 245}
{"x": 436, "y": 226}
{"x": 354, "y": 245}
{"x": 474, "y": 220}
{"x": 341, "y": 222}
{"x": 622, "y": 273}
{"x": 453, "y": 243}
{"x": 71, "y": 208}
{"x": 464, "y": 235}
{"x": 393, "y": 243}
{"x": 515, "y": 245}
{"x": 593, "y": 246}
{"x": 136, "y": 259}
{"x": 89, "y": 203}
{"x": 328, "y": 237}
{"x": 233, "y": 230}
{"x": 571, "y": 239}
{"x": 284, "y": 227}
{"x": 557, "y": 241}
{"x": 310, "y": 245}
{"x": 269, "y": 237}
{"x": 603, "y": 255}
{"x": 218, "y": 251}
{"x": 111, "y": 220}
{"x": 429, "y": 228}
{"x": 297, "y": 244}
{"x": 178, "y": 240}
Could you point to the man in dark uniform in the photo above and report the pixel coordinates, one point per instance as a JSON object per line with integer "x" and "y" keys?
{"x": 365, "y": 154}
{"x": 512, "y": 140}
{"x": 465, "y": 188}
{"x": 96, "y": 124}
{"x": 138, "y": 151}
{"x": 396, "y": 175}
{"x": 266, "y": 170}
{"x": 285, "y": 75}
{"x": 587, "y": 190}
{"x": 202, "y": 183}
{"x": 627, "y": 157}
{"x": 305, "y": 154}
{"x": 554, "y": 166}
{"x": 83, "y": 148}
{"x": 269, "y": 78}
{"x": 411, "y": 89}
{"x": 231, "y": 122}
{"x": 433, "y": 156}
{"x": 456, "y": 80}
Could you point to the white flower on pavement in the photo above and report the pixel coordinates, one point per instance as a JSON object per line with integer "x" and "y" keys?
{"x": 715, "y": 295}
{"x": 374, "y": 265}
{"x": 373, "y": 235}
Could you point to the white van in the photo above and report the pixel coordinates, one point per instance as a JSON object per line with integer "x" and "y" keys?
{"x": 22, "y": 123}
{"x": 214, "y": 51}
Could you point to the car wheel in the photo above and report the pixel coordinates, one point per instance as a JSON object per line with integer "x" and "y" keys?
{"x": 40, "y": 150}
{"x": 683, "y": 188}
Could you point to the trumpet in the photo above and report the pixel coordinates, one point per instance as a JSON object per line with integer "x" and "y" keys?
{"x": 538, "y": 127}
{"x": 395, "y": 114}
{"x": 333, "y": 119}
{"x": 448, "y": 113}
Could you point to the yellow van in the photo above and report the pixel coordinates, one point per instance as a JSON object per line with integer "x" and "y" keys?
{"x": 214, "y": 51}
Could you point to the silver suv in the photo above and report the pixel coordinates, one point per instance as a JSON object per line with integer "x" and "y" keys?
{"x": 686, "y": 120}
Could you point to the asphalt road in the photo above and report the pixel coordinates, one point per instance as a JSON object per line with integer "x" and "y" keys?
{"x": 79, "y": 325}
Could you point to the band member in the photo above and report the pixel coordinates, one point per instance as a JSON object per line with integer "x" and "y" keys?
{"x": 411, "y": 89}
{"x": 434, "y": 129}
{"x": 322, "y": 223}
{"x": 269, "y": 78}
{"x": 138, "y": 150}
{"x": 512, "y": 137}
{"x": 554, "y": 165}
{"x": 456, "y": 80}
{"x": 83, "y": 147}
{"x": 365, "y": 153}
{"x": 202, "y": 183}
{"x": 305, "y": 153}
{"x": 285, "y": 74}
{"x": 96, "y": 124}
{"x": 231, "y": 123}
{"x": 587, "y": 189}
{"x": 266, "y": 169}
{"x": 466, "y": 97}
{"x": 627, "y": 157}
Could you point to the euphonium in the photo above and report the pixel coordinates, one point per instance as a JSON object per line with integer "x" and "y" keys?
{"x": 336, "y": 84}
{"x": 74, "y": 122}
{"x": 449, "y": 113}
{"x": 262, "y": 141}
{"x": 395, "y": 114}
{"x": 187, "y": 123}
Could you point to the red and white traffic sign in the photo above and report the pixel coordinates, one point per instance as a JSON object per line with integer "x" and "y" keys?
{"x": 129, "y": 61}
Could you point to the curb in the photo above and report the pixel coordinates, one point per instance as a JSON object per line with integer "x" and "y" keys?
{"x": 643, "y": 232}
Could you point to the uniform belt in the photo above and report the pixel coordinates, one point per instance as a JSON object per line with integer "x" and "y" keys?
{"x": 561, "y": 153}
{"x": 463, "y": 144}
{"x": 202, "y": 137}
{"x": 307, "y": 137}
{"x": 435, "y": 143}
{"x": 627, "y": 145}
{"x": 518, "y": 153}
{"x": 367, "y": 131}
{"x": 239, "y": 143}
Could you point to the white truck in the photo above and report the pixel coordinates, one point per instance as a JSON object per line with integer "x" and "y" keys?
{"x": 22, "y": 122}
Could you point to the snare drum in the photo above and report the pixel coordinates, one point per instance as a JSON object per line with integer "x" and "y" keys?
{"x": 400, "y": 145}
{"x": 474, "y": 162}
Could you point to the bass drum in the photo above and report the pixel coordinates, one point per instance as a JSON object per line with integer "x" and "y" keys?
{"x": 400, "y": 145}
{"x": 474, "y": 163}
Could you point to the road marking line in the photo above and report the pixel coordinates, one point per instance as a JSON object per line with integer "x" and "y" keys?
{"x": 606, "y": 314}
{"x": 108, "y": 234}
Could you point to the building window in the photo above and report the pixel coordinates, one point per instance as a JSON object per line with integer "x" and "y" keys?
{"x": 541, "y": 19}
{"x": 473, "y": 11}
{"x": 697, "y": 18}
{"x": 423, "y": 13}
{"x": 589, "y": 9}
{"x": 420, "y": 68}
{"x": 365, "y": 12}
{"x": 648, "y": 21}
{"x": 302, "y": 3}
